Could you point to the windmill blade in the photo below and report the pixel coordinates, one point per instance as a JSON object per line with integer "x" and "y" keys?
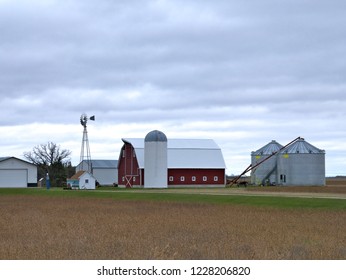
{"x": 83, "y": 119}
{"x": 92, "y": 118}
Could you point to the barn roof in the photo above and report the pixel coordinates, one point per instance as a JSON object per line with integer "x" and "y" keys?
{"x": 185, "y": 153}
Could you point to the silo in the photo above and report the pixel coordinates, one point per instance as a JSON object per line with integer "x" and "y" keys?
{"x": 301, "y": 164}
{"x": 155, "y": 160}
{"x": 266, "y": 172}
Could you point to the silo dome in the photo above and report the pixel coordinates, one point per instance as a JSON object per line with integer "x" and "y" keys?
{"x": 155, "y": 136}
{"x": 268, "y": 149}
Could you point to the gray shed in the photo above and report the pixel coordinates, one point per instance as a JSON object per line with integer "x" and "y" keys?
{"x": 301, "y": 164}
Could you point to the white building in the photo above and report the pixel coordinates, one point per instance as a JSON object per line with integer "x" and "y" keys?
{"x": 105, "y": 171}
{"x": 17, "y": 173}
{"x": 82, "y": 180}
{"x": 155, "y": 160}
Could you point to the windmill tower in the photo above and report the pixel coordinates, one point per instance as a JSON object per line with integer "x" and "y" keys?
{"x": 85, "y": 158}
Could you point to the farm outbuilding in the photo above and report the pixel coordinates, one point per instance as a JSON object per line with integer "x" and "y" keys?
{"x": 190, "y": 162}
{"x": 105, "y": 171}
{"x": 82, "y": 180}
{"x": 267, "y": 171}
{"x": 299, "y": 164}
{"x": 17, "y": 173}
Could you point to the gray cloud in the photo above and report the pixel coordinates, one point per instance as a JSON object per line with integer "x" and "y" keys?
{"x": 251, "y": 70}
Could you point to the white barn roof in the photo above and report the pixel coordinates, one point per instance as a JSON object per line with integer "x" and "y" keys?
{"x": 185, "y": 153}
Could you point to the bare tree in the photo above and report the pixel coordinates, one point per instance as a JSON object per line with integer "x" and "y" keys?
{"x": 51, "y": 159}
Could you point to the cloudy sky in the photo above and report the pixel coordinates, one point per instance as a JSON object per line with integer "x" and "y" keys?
{"x": 240, "y": 72}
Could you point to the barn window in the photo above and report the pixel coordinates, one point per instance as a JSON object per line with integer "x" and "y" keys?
{"x": 205, "y": 178}
{"x": 216, "y": 178}
{"x": 123, "y": 179}
{"x": 123, "y": 153}
{"x": 86, "y": 181}
{"x": 171, "y": 178}
{"x": 193, "y": 178}
{"x": 182, "y": 178}
{"x": 134, "y": 179}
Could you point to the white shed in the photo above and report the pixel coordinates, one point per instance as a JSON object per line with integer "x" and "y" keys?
{"x": 82, "y": 180}
{"x": 17, "y": 173}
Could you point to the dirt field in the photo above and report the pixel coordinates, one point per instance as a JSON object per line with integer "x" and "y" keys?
{"x": 34, "y": 227}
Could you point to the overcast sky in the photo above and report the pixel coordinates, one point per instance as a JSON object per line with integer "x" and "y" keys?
{"x": 240, "y": 72}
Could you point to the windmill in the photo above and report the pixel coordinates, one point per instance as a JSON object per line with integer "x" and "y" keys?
{"x": 85, "y": 158}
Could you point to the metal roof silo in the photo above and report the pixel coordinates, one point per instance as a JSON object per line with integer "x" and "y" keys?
{"x": 265, "y": 173}
{"x": 301, "y": 164}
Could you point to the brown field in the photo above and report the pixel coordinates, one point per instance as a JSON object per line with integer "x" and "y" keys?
{"x": 33, "y": 227}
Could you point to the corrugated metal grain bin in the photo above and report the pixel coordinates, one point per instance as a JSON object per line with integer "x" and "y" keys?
{"x": 265, "y": 173}
{"x": 301, "y": 164}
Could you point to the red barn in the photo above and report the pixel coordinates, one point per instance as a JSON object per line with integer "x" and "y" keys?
{"x": 190, "y": 162}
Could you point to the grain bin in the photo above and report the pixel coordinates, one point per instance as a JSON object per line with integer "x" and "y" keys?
{"x": 265, "y": 173}
{"x": 155, "y": 160}
{"x": 301, "y": 164}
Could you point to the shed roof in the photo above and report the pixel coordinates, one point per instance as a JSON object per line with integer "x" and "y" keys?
{"x": 80, "y": 174}
{"x": 7, "y": 158}
{"x": 77, "y": 175}
{"x": 185, "y": 153}
{"x": 268, "y": 149}
{"x": 302, "y": 147}
{"x": 103, "y": 164}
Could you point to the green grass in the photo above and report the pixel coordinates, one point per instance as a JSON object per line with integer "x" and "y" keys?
{"x": 140, "y": 194}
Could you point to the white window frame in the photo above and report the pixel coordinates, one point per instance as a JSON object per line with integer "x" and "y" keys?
{"x": 205, "y": 178}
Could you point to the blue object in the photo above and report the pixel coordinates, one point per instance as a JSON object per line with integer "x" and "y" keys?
{"x": 47, "y": 182}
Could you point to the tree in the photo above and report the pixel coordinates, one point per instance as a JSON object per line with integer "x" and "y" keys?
{"x": 51, "y": 159}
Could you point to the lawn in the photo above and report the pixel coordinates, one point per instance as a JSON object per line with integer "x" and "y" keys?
{"x": 161, "y": 195}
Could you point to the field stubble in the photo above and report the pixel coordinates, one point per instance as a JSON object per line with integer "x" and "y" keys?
{"x": 33, "y": 227}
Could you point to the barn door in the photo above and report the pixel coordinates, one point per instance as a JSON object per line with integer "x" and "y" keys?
{"x": 128, "y": 181}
